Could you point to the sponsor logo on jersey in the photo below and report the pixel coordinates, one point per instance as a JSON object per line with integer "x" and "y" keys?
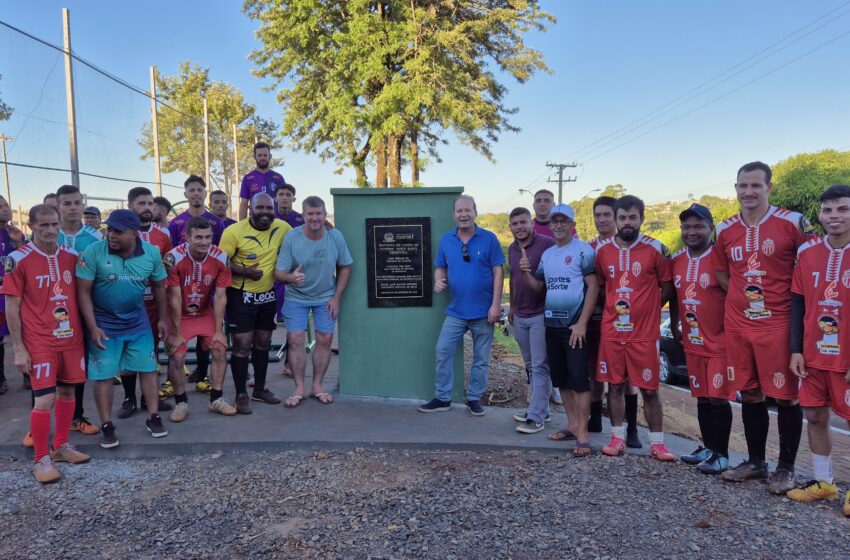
{"x": 779, "y": 379}
{"x": 768, "y": 247}
{"x": 168, "y": 261}
{"x": 704, "y": 280}
{"x": 717, "y": 380}
{"x": 830, "y": 295}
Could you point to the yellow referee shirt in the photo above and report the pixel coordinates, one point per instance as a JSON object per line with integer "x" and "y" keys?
{"x": 247, "y": 246}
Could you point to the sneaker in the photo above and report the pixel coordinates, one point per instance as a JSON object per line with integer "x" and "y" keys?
{"x": 180, "y": 412}
{"x": 633, "y": 441}
{"x": 555, "y": 397}
{"x": 243, "y": 403}
{"x": 475, "y": 408}
{"x": 84, "y": 426}
{"x": 746, "y": 471}
{"x": 435, "y": 405}
{"x": 265, "y": 396}
{"x": 44, "y": 471}
{"x": 67, "y": 453}
{"x": 204, "y": 386}
{"x": 223, "y": 407}
{"x": 107, "y": 436}
{"x": 715, "y": 464}
{"x": 781, "y": 482}
{"x": 846, "y": 508}
{"x": 166, "y": 389}
{"x": 660, "y": 452}
{"x": 128, "y": 408}
{"x": 196, "y": 376}
{"x": 155, "y": 427}
{"x": 28, "y": 440}
{"x": 615, "y": 447}
{"x": 522, "y": 418}
{"x": 530, "y": 427}
{"x": 813, "y": 491}
{"x": 699, "y": 455}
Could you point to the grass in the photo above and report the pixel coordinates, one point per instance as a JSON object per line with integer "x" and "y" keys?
{"x": 508, "y": 343}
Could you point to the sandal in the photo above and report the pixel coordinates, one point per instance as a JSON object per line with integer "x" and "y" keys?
{"x": 562, "y": 435}
{"x": 293, "y": 400}
{"x": 582, "y": 450}
{"x": 322, "y": 397}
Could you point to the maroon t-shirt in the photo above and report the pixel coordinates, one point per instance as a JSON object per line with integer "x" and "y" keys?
{"x": 526, "y": 302}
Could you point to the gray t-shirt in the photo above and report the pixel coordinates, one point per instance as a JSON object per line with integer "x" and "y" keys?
{"x": 563, "y": 270}
{"x": 318, "y": 259}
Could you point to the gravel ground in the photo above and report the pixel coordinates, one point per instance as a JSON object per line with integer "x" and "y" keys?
{"x": 404, "y": 504}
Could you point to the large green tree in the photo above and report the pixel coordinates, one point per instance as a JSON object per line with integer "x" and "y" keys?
{"x": 181, "y": 128}
{"x": 366, "y": 82}
{"x": 5, "y": 110}
{"x": 799, "y": 180}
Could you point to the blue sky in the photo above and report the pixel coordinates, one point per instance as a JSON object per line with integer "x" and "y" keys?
{"x": 612, "y": 62}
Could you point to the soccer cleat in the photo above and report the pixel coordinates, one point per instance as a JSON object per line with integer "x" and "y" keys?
{"x": 222, "y": 407}
{"x": 746, "y": 471}
{"x": 781, "y": 482}
{"x": 44, "y": 471}
{"x": 84, "y": 426}
{"x": 108, "y": 440}
{"x": 660, "y": 452}
{"x": 716, "y": 464}
{"x": 28, "y": 440}
{"x": 204, "y": 386}
{"x": 699, "y": 455}
{"x": 846, "y": 508}
{"x": 615, "y": 447}
{"x": 155, "y": 427}
{"x": 180, "y": 412}
{"x": 813, "y": 491}
{"x": 196, "y": 376}
{"x": 67, "y": 453}
{"x": 166, "y": 390}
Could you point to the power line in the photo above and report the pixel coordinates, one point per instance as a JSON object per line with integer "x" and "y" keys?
{"x": 139, "y": 181}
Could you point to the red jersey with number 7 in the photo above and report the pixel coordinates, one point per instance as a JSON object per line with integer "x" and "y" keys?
{"x": 760, "y": 262}
{"x": 197, "y": 280}
{"x": 822, "y": 277}
{"x": 700, "y": 303}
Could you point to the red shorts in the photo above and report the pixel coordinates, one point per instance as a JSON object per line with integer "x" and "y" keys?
{"x": 635, "y": 362}
{"x": 707, "y": 377}
{"x": 826, "y": 388}
{"x": 760, "y": 360}
{"x": 201, "y": 327}
{"x": 64, "y": 366}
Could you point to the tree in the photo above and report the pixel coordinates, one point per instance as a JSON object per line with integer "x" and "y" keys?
{"x": 799, "y": 180}
{"x": 181, "y": 127}
{"x": 5, "y": 110}
{"x": 379, "y": 82}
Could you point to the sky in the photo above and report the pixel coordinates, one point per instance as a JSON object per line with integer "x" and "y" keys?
{"x": 613, "y": 63}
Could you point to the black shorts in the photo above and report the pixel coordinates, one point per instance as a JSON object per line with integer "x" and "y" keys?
{"x": 250, "y": 311}
{"x": 568, "y": 366}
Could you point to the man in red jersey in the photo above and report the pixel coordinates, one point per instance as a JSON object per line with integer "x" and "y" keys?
{"x": 141, "y": 202}
{"x": 755, "y": 261}
{"x": 636, "y": 272}
{"x": 701, "y": 300}
{"x": 197, "y": 270}
{"x": 820, "y": 344}
{"x": 40, "y": 285}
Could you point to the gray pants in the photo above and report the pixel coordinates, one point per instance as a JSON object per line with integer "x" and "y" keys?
{"x": 531, "y": 336}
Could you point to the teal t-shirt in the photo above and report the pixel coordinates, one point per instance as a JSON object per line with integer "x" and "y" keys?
{"x": 563, "y": 270}
{"x": 118, "y": 293}
{"x": 80, "y": 240}
{"x": 318, "y": 259}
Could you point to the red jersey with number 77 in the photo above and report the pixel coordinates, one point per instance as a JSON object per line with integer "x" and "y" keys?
{"x": 760, "y": 261}
{"x": 700, "y": 303}
{"x": 822, "y": 277}
{"x": 46, "y": 284}
{"x": 197, "y": 280}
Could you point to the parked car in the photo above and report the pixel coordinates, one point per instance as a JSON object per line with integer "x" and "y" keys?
{"x": 673, "y": 368}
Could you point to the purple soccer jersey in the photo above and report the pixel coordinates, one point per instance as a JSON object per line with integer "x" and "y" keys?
{"x": 177, "y": 227}
{"x": 7, "y": 246}
{"x": 257, "y": 181}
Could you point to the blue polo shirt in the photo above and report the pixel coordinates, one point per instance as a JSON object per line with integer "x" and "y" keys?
{"x": 471, "y": 282}
{"x": 118, "y": 293}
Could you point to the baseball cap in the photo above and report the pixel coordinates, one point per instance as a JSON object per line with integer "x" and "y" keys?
{"x": 122, "y": 220}
{"x": 564, "y": 210}
{"x": 92, "y": 210}
{"x": 697, "y": 210}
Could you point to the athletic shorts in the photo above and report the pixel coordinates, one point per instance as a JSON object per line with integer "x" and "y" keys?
{"x": 250, "y": 311}
{"x": 202, "y": 328}
{"x": 760, "y": 360}
{"x": 295, "y": 315}
{"x": 567, "y": 366}
{"x": 124, "y": 353}
{"x": 635, "y": 362}
{"x": 825, "y": 388}
{"x": 707, "y": 377}
{"x": 65, "y": 367}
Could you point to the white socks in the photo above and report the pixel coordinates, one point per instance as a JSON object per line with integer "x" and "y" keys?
{"x": 823, "y": 467}
{"x": 656, "y": 437}
{"x": 618, "y": 431}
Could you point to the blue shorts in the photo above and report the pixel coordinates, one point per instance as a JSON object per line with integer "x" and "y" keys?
{"x": 132, "y": 352}
{"x": 295, "y": 315}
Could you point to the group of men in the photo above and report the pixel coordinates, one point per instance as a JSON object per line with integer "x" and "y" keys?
{"x": 82, "y": 304}
{"x": 759, "y": 295}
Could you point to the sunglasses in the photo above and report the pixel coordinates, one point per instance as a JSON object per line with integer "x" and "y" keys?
{"x": 465, "y": 250}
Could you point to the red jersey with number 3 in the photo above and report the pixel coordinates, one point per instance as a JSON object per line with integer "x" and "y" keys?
{"x": 197, "y": 280}
{"x": 760, "y": 262}
{"x": 47, "y": 286}
{"x": 700, "y": 303}
{"x": 822, "y": 277}
{"x": 631, "y": 279}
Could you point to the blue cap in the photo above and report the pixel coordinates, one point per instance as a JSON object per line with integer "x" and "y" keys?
{"x": 122, "y": 220}
{"x": 564, "y": 210}
{"x": 92, "y": 210}
{"x": 697, "y": 210}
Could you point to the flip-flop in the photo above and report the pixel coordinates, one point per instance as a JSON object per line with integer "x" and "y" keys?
{"x": 297, "y": 398}
{"x": 562, "y": 435}
{"x": 582, "y": 450}
{"x": 324, "y": 398}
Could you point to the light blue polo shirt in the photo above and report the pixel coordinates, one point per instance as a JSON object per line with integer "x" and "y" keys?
{"x": 471, "y": 282}
{"x": 119, "y": 285}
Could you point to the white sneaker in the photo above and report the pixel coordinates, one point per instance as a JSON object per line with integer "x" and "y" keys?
{"x": 180, "y": 412}
{"x": 221, "y": 406}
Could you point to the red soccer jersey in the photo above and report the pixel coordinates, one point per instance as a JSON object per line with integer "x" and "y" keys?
{"x": 700, "y": 303}
{"x": 47, "y": 286}
{"x": 760, "y": 262}
{"x": 822, "y": 277}
{"x": 197, "y": 280}
{"x": 631, "y": 279}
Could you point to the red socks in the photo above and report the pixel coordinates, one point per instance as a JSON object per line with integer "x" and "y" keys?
{"x": 63, "y": 410}
{"x": 40, "y": 430}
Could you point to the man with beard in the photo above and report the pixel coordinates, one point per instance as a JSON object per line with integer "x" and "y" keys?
{"x": 252, "y": 246}
{"x": 195, "y": 190}
{"x": 262, "y": 179}
{"x": 161, "y": 210}
{"x": 219, "y": 201}
{"x": 637, "y": 276}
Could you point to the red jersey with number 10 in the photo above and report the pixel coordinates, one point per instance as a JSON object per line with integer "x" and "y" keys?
{"x": 760, "y": 262}
{"x": 632, "y": 282}
{"x": 700, "y": 303}
{"x": 197, "y": 280}
{"x": 822, "y": 277}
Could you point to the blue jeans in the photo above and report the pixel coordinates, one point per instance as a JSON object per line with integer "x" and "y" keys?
{"x": 450, "y": 336}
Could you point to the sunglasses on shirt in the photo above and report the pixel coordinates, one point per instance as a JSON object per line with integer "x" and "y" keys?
{"x": 465, "y": 250}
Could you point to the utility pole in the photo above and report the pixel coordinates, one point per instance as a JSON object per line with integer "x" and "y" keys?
{"x": 560, "y": 167}
{"x": 235, "y": 171}
{"x": 3, "y": 140}
{"x": 157, "y": 172}
{"x": 69, "y": 99}
{"x": 206, "y": 144}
